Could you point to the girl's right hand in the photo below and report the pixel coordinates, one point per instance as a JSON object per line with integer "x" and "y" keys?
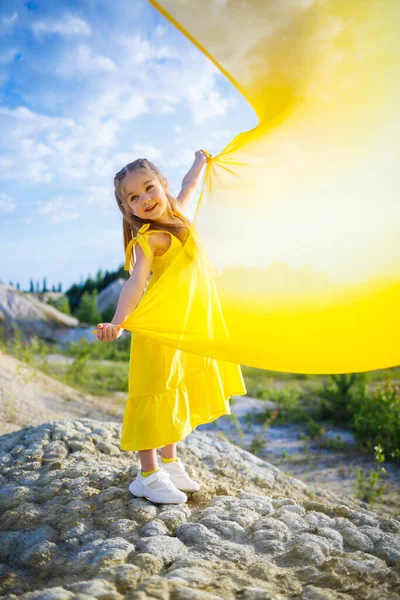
{"x": 107, "y": 332}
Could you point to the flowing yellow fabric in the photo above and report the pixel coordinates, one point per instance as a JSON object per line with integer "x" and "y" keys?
{"x": 298, "y": 221}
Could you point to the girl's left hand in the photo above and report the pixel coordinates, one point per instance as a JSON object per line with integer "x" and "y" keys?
{"x": 107, "y": 332}
{"x": 205, "y": 156}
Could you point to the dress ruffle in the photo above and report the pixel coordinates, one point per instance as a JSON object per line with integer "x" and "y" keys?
{"x": 156, "y": 420}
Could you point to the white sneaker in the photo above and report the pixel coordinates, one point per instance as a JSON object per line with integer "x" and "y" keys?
{"x": 157, "y": 488}
{"x": 179, "y": 476}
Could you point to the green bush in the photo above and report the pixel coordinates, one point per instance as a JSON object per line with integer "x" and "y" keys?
{"x": 87, "y": 311}
{"x": 61, "y": 304}
{"x": 376, "y": 418}
{"x": 17, "y": 346}
{"x": 336, "y": 396}
{"x": 107, "y": 315}
{"x": 78, "y": 372}
{"x": 287, "y": 396}
{"x": 96, "y": 350}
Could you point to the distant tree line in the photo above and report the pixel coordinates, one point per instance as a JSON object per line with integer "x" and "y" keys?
{"x": 36, "y": 288}
{"x": 83, "y": 297}
{"x": 80, "y": 300}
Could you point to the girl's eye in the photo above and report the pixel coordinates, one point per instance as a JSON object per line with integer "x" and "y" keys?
{"x": 148, "y": 187}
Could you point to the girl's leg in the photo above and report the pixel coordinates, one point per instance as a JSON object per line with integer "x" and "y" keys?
{"x": 148, "y": 459}
{"x": 168, "y": 451}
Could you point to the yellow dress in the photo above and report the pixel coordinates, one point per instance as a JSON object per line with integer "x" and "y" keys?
{"x": 171, "y": 391}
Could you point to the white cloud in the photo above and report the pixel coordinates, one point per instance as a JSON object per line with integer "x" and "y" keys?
{"x": 10, "y": 20}
{"x": 66, "y": 27}
{"x": 160, "y": 30}
{"x": 138, "y": 151}
{"x": 83, "y": 61}
{"x": 103, "y": 197}
{"x": 54, "y": 147}
{"x": 136, "y": 49}
{"x": 8, "y": 56}
{"x": 221, "y": 134}
{"x": 162, "y": 107}
{"x": 7, "y": 204}
{"x": 113, "y": 85}
{"x": 118, "y": 103}
{"x": 204, "y": 101}
{"x": 147, "y": 150}
{"x": 217, "y": 139}
{"x": 184, "y": 158}
{"x": 58, "y": 210}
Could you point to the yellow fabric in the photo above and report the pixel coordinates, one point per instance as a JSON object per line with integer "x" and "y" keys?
{"x": 171, "y": 390}
{"x": 168, "y": 460}
{"x": 299, "y": 216}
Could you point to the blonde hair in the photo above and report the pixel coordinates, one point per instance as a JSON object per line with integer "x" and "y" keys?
{"x": 131, "y": 223}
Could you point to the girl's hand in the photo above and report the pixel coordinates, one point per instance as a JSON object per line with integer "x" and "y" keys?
{"x": 107, "y": 332}
{"x": 203, "y": 155}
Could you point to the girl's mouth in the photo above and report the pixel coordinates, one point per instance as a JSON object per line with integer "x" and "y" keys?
{"x": 152, "y": 208}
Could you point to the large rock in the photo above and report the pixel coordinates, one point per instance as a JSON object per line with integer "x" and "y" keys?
{"x": 31, "y": 315}
{"x": 110, "y": 294}
{"x": 69, "y": 528}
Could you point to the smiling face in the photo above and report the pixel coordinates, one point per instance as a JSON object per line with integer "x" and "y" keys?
{"x": 142, "y": 191}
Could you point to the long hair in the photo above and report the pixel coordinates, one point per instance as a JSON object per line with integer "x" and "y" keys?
{"x": 131, "y": 223}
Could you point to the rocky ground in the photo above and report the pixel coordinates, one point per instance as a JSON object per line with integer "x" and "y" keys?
{"x": 332, "y": 469}
{"x": 70, "y": 529}
{"x": 28, "y": 397}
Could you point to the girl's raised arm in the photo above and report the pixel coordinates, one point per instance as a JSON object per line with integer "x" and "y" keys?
{"x": 191, "y": 180}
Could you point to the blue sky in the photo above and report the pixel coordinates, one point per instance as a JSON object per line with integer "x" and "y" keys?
{"x": 86, "y": 87}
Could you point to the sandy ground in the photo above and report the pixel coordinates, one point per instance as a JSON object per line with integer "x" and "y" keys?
{"x": 29, "y": 397}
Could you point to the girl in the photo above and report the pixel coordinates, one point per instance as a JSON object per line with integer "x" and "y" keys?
{"x": 170, "y": 391}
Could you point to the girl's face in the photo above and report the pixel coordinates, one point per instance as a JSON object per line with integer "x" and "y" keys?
{"x": 143, "y": 191}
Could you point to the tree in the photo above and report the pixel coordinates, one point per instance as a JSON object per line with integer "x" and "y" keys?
{"x": 61, "y": 304}
{"x": 87, "y": 311}
{"x": 108, "y": 314}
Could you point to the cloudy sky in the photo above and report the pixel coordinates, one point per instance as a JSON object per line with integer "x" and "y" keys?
{"x": 86, "y": 87}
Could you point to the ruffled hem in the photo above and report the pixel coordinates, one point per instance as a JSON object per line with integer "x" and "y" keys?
{"x": 174, "y": 441}
{"x": 160, "y": 419}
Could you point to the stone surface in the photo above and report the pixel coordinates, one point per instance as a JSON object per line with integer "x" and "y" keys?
{"x": 70, "y": 529}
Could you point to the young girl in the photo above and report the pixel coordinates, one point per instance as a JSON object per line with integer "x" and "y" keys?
{"x": 170, "y": 391}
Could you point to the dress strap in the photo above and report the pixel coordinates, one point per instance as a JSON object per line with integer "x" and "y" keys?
{"x": 143, "y": 242}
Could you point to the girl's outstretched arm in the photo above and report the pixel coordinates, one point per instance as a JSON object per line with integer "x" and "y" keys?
{"x": 130, "y": 295}
{"x": 133, "y": 289}
{"x": 191, "y": 180}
